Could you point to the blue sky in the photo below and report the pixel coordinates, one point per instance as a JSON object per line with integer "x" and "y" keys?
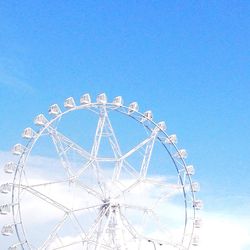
{"x": 188, "y": 61}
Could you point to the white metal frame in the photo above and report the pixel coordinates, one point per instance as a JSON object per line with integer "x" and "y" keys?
{"x": 110, "y": 217}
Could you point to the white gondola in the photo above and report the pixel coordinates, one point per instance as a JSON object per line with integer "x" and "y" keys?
{"x": 148, "y": 115}
{"x": 118, "y": 101}
{"x": 196, "y": 240}
{"x": 197, "y": 223}
{"x": 7, "y": 230}
{"x": 5, "y": 188}
{"x": 54, "y": 109}
{"x": 28, "y": 133}
{"x": 18, "y": 149}
{"x": 171, "y": 139}
{"x": 85, "y": 99}
{"x": 195, "y": 187}
{"x": 162, "y": 126}
{"x": 133, "y": 107}
{"x": 14, "y": 247}
{"x": 190, "y": 170}
{"x": 69, "y": 103}
{"x": 9, "y": 167}
{"x": 5, "y": 209}
{"x": 40, "y": 120}
{"x": 102, "y": 98}
{"x": 182, "y": 153}
{"x": 198, "y": 204}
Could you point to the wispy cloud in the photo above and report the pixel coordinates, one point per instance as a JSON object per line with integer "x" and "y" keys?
{"x": 224, "y": 232}
{"x": 12, "y": 75}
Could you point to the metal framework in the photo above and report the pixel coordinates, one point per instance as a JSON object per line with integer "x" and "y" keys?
{"x": 124, "y": 206}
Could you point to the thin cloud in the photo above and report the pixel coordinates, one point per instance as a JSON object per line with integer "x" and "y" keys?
{"x": 224, "y": 232}
{"x": 15, "y": 83}
{"x": 12, "y": 75}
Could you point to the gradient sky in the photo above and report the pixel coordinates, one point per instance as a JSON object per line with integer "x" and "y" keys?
{"x": 187, "y": 61}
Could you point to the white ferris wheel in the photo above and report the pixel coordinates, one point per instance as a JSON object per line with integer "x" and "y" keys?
{"x": 100, "y": 176}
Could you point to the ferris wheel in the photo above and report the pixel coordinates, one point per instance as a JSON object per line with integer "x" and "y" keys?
{"x": 100, "y": 175}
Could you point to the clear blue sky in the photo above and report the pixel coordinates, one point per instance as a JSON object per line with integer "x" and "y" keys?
{"x": 188, "y": 61}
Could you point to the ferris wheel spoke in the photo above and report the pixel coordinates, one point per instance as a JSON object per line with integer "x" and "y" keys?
{"x": 54, "y": 232}
{"x": 68, "y": 245}
{"x": 104, "y": 129}
{"x": 62, "y": 153}
{"x": 97, "y": 141}
{"x": 144, "y": 211}
{"x": 84, "y": 168}
{"x": 92, "y": 242}
{"x": 161, "y": 183}
{"x": 98, "y": 133}
{"x": 97, "y": 223}
{"x": 89, "y": 189}
{"x": 121, "y": 228}
{"x": 89, "y": 207}
{"x": 136, "y": 148}
{"x": 97, "y": 173}
{"x": 135, "y": 234}
{"x": 166, "y": 190}
{"x": 63, "y": 145}
{"x": 148, "y": 153}
{"x": 123, "y": 163}
{"x": 166, "y": 238}
{"x": 148, "y": 143}
{"x": 69, "y": 144}
{"x": 130, "y": 187}
{"x": 130, "y": 169}
{"x": 158, "y": 221}
{"x": 139, "y": 208}
{"x": 100, "y": 178}
{"x": 163, "y": 198}
{"x": 102, "y": 231}
{"x": 74, "y": 146}
{"x": 78, "y": 225}
{"x": 114, "y": 227}
{"x": 45, "y": 198}
{"x": 112, "y": 139}
{"x": 48, "y": 183}
{"x": 103, "y": 246}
